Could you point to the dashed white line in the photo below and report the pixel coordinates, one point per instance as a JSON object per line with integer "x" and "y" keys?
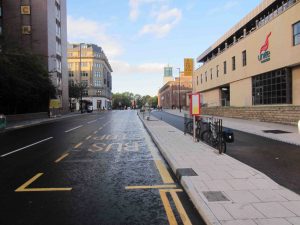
{"x": 67, "y": 131}
{"x": 20, "y": 149}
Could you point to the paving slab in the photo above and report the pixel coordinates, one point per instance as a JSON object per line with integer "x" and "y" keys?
{"x": 225, "y": 190}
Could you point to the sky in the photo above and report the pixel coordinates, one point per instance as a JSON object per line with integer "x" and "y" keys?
{"x": 141, "y": 37}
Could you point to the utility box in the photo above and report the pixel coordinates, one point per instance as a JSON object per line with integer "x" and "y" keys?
{"x": 2, "y": 121}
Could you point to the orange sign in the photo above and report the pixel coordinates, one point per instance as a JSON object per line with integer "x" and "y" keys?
{"x": 188, "y": 67}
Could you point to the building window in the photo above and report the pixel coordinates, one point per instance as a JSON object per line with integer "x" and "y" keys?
{"x": 274, "y": 87}
{"x": 84, "y": 83}
{"x": 244, "y": 58}
{"x": 85, "y": 92}
{"x": 233, "y": 63}
{"x": 296, "y": 29}
{"x": 211, "y": 75}
{"x": 197, "y": 80}
{"x": 71, "y": 73}
{"x": 84, "y": 74}
{"x": 84, "y": 64}
{"x": 225, "y": 67}
{"x": 217, "y": 72}
{"x": 201, "y": 78}
{"x": 205, "y": 76}
{"x": 99, "y": 92}
{"x": 97, "y": 83}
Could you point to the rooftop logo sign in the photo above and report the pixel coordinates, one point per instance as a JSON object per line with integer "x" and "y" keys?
{"x": 265, "y": 54}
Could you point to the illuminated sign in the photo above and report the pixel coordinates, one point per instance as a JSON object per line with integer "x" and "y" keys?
{"x": 195, "y": 105}
{"x": 265, "y": 54}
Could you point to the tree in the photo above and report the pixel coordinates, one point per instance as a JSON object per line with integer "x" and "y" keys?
{"x": 121, "y": 100}
{"x": 25, "y": 86}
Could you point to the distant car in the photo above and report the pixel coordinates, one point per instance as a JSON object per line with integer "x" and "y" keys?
{"x": 89, "y": 109}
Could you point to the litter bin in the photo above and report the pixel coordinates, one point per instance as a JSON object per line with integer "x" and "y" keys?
{"x": 2, "y": 121}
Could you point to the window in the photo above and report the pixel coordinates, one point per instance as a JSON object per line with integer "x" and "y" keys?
{"x": 274, "y": 87}
{"x": 84, "y": 74}
{"x": 197, "y": 80}
{"x": 84, "y": 83}
{"x": 84, "y": 64}
{"x": 97, "y": 83}
{"x": 233, "y": 63}
{"x": 71, "y": 74}
{"x": 211, "y": 76}
{"x": 85, "y": 92}
{"x": 217, "y": 70}
{"x": 244, "y": 58}
{"x": 70, "y": 65}
{"x": 99, "y": 92}
{"x": 296, "y": 29}
{"x": 201, "y": 78}
{"x": 205, "y": 76}
{"x": 98, "y": 74}
{"x": 225, "y": 67}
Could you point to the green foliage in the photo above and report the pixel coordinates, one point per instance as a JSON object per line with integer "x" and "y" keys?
{"x": 25, "y": 86}
{"x": 122, "y": 100}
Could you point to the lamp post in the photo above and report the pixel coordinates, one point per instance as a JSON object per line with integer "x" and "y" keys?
{"x": 179, "y": 100}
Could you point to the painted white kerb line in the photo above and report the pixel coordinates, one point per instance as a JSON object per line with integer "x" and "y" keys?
{"x": 67, "y": 131}
{"x": 20, "y": 149}
{"x": 92, "y": 121}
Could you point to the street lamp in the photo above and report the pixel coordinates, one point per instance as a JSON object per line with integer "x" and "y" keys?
{"x": 179, "y": 100}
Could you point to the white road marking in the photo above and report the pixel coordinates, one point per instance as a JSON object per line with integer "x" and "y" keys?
{"x": 20, "y": 149}
{"x": 67, "y": 131}
{"x": 92, "y": 121}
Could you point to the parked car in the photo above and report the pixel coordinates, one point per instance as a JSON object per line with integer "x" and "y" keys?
{"x": 89, "y": 109}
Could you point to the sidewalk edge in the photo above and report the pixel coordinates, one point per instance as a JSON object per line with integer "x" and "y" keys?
{"x": 205, "y": 213}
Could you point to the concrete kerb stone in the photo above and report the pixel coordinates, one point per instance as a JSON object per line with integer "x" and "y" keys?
{"x": 45, "y": 121}
{"x": 199, "y": 204}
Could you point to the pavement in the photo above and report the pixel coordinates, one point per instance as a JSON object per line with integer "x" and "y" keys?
{"x": 256, "y": 127}
{"x": 33, "y": 122}
{"x": 223, "y": 189}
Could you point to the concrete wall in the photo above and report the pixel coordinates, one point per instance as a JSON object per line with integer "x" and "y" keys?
{"x": 241, "y": 93}
{"x": 275, "y": 114}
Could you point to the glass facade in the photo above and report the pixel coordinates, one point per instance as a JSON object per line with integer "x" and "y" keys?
{"x": 273, "y": 87}
{"x": 168, "y": 71}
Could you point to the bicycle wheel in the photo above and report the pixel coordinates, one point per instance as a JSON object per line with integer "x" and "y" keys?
{"x": 222, "y": 146}
{"x": 198, "y": 133}
{"x": 189, "y": 127}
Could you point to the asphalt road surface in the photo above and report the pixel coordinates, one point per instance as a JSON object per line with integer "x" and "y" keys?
{"x": 99, "y": 168}
{"x": 280, "y": 161}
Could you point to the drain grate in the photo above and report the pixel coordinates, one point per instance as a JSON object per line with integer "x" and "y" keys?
{"x": 185, "y": 172}
{"x": 276, "y": 131}
{"x": 215, "y": 196}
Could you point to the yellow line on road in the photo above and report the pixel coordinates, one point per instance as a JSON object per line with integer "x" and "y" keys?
{"x": 23, "y": 187}
{"x": 62, "y": 157}
{"x": 164, "y": 173}
{"x": 88, "y": 137}
{"x": 151, "y": 187}
{"x": 167, "y": 206}
{"x": 78, "y": 145}
{"x": 179, "y": 207}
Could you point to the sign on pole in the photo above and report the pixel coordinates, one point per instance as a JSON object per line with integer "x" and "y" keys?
{"x": 195, "y": 106}
{"x": 188, "y": 67}
{"x": 55, "y": 104}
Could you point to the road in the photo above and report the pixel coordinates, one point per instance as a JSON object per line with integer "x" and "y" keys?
{"x": 99, "y": 168}
{"x": 280, "y": 161}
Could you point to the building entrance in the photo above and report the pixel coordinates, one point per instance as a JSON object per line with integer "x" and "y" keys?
{"x": 225, "y": 96}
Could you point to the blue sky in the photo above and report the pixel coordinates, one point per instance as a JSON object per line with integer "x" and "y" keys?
{"x": 140, "y": 37}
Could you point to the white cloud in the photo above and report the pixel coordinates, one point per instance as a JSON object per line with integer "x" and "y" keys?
{"x": 124, "y": 68}
{"x": 224, "y": 8}
{"x": 166, "y": 20}
{"x": 89, "y": 31}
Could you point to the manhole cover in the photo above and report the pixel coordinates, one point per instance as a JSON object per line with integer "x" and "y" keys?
{"x": 185, "y": 172}
{"x": 215, "y": 196}
{"x": 276, "y": 131}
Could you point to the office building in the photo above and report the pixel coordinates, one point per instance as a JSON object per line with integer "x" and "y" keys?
{"x": 40, "y": 27}
{"x": 89, "y": 66}
{"x": 256, "y": 64}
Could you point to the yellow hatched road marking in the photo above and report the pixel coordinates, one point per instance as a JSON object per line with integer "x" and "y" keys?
{"x": 151, "y": 187}
{"x": 78, "y": 145}
{"x": 164, "y": 173}
{"x": 88, "y": 137}
{"x": 182, "y": 212}
{"x": 167, "y": 206}
{"x": 62, "y": 157}
{"x": 23, "y": 187}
